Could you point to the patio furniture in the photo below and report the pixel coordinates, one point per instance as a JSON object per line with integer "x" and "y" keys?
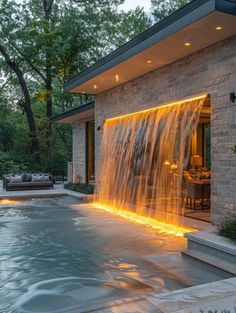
{"x": 198, "y": 190}
{"x": 27, "y": 181}
{"x": 186, "y": 178}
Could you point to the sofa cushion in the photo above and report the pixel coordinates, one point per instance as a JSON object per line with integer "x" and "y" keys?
{"x": 15, "y": 179}
{"x": 37, "y": 178}
{"x": 27, "y": 177}
{"x": 46, "y": 177}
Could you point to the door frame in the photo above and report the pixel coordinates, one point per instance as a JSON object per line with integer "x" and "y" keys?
{"x": 87, "y": 149}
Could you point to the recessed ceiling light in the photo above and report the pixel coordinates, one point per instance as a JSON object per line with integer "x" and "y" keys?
{"x": 95, "y": 86}
{"x": 149, "y": 61}
{"x": 117, "y": 78}
{"x": 219, "y": 27}
{"x": 187, "y": 44}
{"x": 82, "y": 91}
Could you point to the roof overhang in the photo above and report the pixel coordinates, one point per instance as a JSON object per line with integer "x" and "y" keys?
{"x": 85, "y": 111}
{"x": 162, "y": 44}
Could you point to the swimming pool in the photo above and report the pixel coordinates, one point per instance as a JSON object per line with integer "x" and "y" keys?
{"x": 59, "y": 255}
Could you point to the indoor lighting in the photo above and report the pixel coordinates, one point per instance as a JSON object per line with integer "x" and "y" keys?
{"x": 219, "y": 27}
{"x": 187, "y": 44}
{"x": 174, "y": 167}
{"x": 167, "y": 163}
{"x": 196, "y": 161}
{"x": 143, "y": 220}
{"x": 149, "y": 61}
{"x": 82, "y": 91}
{"x": 95, "y": 86}
{"x": 158, "y": 107}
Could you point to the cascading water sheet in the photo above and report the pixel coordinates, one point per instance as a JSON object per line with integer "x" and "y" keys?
{"x": 143, "y": 158}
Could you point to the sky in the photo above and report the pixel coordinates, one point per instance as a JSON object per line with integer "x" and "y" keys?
{"x": 132, "y": 4}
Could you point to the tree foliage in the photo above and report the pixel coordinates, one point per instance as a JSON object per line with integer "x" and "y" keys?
{"x": 163, "y": 8}
{"x": 42, "y": 44}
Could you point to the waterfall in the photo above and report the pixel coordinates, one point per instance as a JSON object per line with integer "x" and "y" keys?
{"x": 143, "y": 156}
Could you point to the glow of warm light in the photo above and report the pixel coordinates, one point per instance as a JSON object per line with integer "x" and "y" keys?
{"x": 187, "y": 44}
{"x": 159, "y": 107}
{"x": 174, "y": 166}
{"x": 167, "y": 163}
{"x": 149, "y": 61}
{"x": 219, "y": 27}
{"x": 117, "y": 77}
{"x": 82, "y": 91}
{"x": 134, "y": 182}
{"x": 8, "y": 201}
{"x": 95, "y": 86}
{"x": 169, "y": 229}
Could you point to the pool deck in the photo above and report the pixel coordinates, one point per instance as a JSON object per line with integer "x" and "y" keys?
{"x": 216, "y": 297}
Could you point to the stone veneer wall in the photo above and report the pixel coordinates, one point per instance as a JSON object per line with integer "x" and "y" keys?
{"x": 211, "y": 70}
{"x": 79, "y": 151}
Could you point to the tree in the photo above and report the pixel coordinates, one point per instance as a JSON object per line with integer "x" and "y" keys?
{"x": 24, "y": 102}
{"x": 163, "y": 8}
{"x": 7, "y": 131}
{"x": 43, "y": 43}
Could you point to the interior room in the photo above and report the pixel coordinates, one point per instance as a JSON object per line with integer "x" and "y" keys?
{"x": 196, "y": 184}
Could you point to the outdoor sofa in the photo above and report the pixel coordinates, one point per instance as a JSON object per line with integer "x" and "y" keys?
{"x": 27, "y": 181}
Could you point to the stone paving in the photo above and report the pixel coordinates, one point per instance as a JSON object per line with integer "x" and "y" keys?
{"x": 216, "y": 297}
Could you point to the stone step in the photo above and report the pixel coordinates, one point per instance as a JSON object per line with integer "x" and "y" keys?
{"x": 212, "y": 239}
{"x": 211, "y": 260}
{"x": 211, "y": 244}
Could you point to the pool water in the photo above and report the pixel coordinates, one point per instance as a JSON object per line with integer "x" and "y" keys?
{"x": 60, "y": 255}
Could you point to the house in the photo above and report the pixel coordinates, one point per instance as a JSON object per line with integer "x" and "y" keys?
{"x": 186, "y": 56}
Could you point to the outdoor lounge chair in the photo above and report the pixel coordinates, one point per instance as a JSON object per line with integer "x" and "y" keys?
{"x": 27, "y": 182}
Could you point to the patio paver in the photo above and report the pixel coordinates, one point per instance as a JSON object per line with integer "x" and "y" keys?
{"x": 217, "y": 297}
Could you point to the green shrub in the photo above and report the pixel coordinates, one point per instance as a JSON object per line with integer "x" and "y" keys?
{"x": 79, "y": 187}
{"x": 228, "y": 228}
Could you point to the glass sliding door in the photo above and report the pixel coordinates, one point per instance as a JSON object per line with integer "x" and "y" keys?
{"x": 90, "y": 152}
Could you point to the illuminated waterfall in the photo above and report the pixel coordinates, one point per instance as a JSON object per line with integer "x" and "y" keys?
{"x": 143, "y": 158}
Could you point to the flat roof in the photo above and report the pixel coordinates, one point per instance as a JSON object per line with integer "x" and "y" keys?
{"x": 197, "y": 25}
{"x": 69, "y": 117}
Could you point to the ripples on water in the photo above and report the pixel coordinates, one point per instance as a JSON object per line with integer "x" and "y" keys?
{"x": 61, "y": 256}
